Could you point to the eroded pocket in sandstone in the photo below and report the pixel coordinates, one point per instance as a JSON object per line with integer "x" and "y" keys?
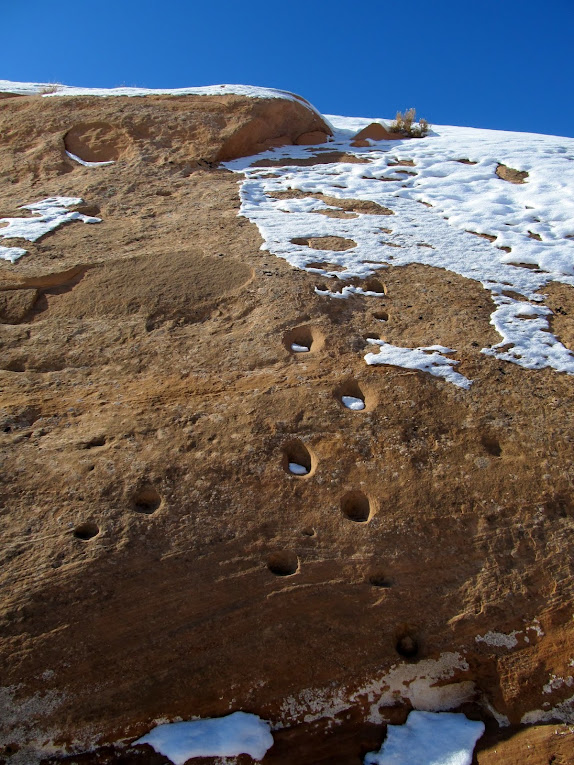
{"x": 96, "y": 142}
{"x": 381, "y": 316}
{"x": 86, "y": 531}
{"x": 491, "y": 445}
{"x": 375, "y": 285}
{"x": 303, "y": 339}
{"x": 297, "y": 459}
{"x": 407, "y": 644}
{"x": 380, "y": 579}
{"x": 283, "y": 563}
{"x": 356, "y": 506}
{"x": 351, "y": 396}
{"x": 146, "y": 500}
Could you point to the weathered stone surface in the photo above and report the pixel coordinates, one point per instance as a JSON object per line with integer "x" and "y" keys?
{"x": 159, "y": 560}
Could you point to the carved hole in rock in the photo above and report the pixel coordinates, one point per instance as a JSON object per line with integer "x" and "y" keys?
{"x": 283, "y": 563}
{"x": 95, "y": 442}
{"x": 375, "y": 285}
{"x": 96, "y": 142}
{"x": 491, "y": 445}
{"x": 407, "y": 645}
{"x": 303, "y": 339}
{"x": 86, "y": 531}
{"x": 146, "y": 500}
{"x": 297, "y": 459}
{"x": 379, "y": 579}
{"x": 308, "y": 531}
{"x": 381, "y": 316}
{"x": 355, "y": 506}
{"x": 351, "y": 396}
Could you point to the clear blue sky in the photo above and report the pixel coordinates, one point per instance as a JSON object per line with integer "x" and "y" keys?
{"x": 485, "y": 63}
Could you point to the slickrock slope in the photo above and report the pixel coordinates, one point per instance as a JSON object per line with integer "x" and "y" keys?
{"x": 160, "y": 559}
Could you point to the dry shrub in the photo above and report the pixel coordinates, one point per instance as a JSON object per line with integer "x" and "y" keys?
{"x": 53, "y": 87}
{"x": 405, "y": 124}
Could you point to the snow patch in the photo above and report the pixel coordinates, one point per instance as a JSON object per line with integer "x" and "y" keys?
{"x": 534, "y": 220}
{"x": 429, "y": 738}
{"x": 49, "y": 214}
{"x": 426, "y": 359}
{"x": 297, "y": 469}
{"x": 351, "y": 402}
{"x": 230, "y": 736}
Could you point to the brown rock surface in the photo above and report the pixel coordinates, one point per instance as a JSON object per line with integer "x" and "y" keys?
{"x": 377, "y": 132}
{"x": 159, "y": 560}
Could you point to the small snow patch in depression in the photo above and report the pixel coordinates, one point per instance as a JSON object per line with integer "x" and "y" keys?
{"x": 230, "y": 736}
{"x": 297, "y": 469}
{"x": 88, "y": 164}
{"x": 351, "y": 402}
{"x": 296, "y": 348}
{"x": 429, "y": 738}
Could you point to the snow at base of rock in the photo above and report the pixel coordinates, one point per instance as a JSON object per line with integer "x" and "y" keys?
{"x": 238, "y": 733}
{"x": 351, "y": 402}
{"x": 88, "y": 164}
{"x": 48, "y": 215}
{"x": 429, "y": 738}
{"x": 426, "y": 359}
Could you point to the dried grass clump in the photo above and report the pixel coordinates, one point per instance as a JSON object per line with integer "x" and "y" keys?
{"x": 405, "y": 124}
{"x": 53, "y": 87}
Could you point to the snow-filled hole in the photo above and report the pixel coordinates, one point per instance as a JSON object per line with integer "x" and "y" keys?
{"x": 351, "y": 396}
{"x": 303, "y": 339}
{"x": 297, "y": 459}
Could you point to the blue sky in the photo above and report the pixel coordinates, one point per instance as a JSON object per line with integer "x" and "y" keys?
{"x": 489, "y": 63}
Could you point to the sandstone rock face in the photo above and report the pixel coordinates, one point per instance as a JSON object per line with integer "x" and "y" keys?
{"x": 161, "y": 559}
{"x": 156, "y": 129}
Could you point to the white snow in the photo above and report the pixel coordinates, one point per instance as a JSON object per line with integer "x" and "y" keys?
{"x": 48, "y": 215}
{"x": 429, "y": 738}
{"x": 297, "y": 469}
{"x": 535, "y": 219}
{"x": 88, "y": 164}
{"x": 426, "y": 359}
{"x": 230, "y": 736}
{"x": 296, "y": 348}
{"x": 352, "y": 402}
